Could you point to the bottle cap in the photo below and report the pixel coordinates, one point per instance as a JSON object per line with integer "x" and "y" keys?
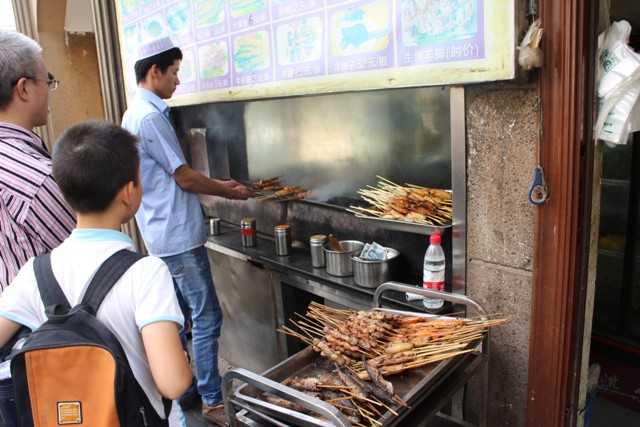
{"x": 435, "y": 239}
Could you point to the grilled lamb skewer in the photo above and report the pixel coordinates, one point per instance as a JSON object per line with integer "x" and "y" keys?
{"x": 356, "y": 388}
{"x": 376, "y": 378}
{"x": 286, "y": 404}
{"x": 303, "y": 384}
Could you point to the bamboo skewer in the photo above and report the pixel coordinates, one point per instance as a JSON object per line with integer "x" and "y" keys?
{"x": 417, "y": 204}
{"x": 339, "y": 399}
{"x": 334, "y": 387}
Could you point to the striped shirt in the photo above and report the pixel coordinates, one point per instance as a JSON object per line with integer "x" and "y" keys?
{"x": 34, "y": 217}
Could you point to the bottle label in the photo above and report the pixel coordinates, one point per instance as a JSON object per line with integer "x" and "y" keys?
{"x": 433, "y": 280}
{"x": 436, "y": 286}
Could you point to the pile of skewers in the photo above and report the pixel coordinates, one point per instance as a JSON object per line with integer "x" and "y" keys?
{"x": 367, "y": 346}
{"x": 270, "y": 184}
{"x": 410, "y": 203}
{"x": 361, "y": 402}
{"x": 273, "y": 189}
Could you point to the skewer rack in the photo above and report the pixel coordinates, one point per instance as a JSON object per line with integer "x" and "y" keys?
{"x": 426, "y": 390}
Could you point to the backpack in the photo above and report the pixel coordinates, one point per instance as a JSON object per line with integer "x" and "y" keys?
{"x": 72, "y": 370}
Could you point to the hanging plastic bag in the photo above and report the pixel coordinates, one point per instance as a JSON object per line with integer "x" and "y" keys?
{"x": 529, "y": 52}
{"x": 618, "y": 84}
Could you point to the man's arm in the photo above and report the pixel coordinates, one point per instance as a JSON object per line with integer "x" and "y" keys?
{"x": 195, "y": 182}
{"x": 49, "y": 218}
{"x": 157, "y": 140}
{"x": 168, "y": 362}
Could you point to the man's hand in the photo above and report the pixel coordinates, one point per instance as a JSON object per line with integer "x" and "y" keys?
{"x": 231, "y": 183}
{"x": 195, "y": 182}
{"x": 240, "y": 192}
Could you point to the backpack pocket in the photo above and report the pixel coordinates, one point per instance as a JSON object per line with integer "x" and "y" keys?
{"x": 71, "y": 386}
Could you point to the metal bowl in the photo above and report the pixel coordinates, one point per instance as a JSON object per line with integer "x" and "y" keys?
{"x": 340, "y": 263}
{"x": 373, "y": 273}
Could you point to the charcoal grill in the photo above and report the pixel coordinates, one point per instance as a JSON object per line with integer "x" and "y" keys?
{"x": 426, "y": 390}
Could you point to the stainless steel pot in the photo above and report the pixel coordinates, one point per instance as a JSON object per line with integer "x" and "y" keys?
{"x": 340, "y": 263}
{"x": 371, "y": 274}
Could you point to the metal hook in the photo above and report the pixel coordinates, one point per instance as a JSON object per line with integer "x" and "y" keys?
{"x": 538, "y": 193}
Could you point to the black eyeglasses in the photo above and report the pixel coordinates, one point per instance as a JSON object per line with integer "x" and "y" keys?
{"x": 51, "y": 81}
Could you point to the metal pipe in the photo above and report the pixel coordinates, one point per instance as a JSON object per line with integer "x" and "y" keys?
{"x": 447, "y": 296}
{"x": 328, "y": 412}
{"x": 459, "y": 187}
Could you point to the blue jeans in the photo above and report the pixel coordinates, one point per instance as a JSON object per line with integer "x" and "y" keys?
{"x": 192, "y": 278}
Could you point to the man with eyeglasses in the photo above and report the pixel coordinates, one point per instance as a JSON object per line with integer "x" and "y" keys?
{"x": 34, "y": 217}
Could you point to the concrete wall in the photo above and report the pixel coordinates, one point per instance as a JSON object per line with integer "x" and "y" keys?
{"x": 503, "y": 127}
{"x": 72, "y": 58}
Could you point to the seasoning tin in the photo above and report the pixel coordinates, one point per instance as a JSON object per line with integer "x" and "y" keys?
{"x": 316, "y": 242}
{"x": 214, "y": 226}
{"x": 248, "y": 232}
{"x": 282, "y": 235}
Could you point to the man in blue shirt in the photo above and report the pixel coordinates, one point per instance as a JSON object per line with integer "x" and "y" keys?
{"x": 170, "y": 217}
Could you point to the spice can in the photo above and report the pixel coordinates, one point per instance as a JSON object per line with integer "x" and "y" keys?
{"x": 282, "y": 235}
{"x": 248, "y": 232}
{"x": 316, "y": 242}
{"x": 214, "y": 226}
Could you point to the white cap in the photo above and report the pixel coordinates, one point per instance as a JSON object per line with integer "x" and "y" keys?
{"x": 155, "y": 47}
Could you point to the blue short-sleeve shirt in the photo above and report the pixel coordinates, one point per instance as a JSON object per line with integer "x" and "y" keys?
{"x": 170, "y": 219}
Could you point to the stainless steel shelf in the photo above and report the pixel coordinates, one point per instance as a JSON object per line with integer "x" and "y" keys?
{"x": 407, "y": 227}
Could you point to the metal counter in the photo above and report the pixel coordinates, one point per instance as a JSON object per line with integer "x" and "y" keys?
{"x": 335, "y": 144}
{"x": 296, "y": 270}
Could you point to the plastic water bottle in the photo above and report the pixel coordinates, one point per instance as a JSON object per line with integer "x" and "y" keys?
{"x": 433, "y": 273}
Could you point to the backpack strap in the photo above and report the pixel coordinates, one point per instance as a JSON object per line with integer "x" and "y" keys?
{"x": 107, "y": 275}
{"x": 167, "y": 403}
{"x": 50, "y": 292}
{"x": 103, "y": 281}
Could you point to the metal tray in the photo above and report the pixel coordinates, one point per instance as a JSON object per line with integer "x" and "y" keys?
{"x": 405, "y": 226}
{"x": 413, "y": 386}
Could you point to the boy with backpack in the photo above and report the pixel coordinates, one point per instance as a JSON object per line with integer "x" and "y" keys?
{"x": 106, "y": 349}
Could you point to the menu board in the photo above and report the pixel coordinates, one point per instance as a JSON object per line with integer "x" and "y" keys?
{"x": 248, "y": 49}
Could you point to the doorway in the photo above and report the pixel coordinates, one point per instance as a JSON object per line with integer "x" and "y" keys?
{"x": 613, "y": 397}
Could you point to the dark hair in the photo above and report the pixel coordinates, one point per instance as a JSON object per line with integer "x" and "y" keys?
{"x": 92, "y": 161}
{"x": 163, "y": 60}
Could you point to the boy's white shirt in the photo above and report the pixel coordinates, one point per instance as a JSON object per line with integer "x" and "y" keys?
{"x": 143, "y": 295}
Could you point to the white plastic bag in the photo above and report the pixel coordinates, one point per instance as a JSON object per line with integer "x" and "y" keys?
{"x": 529, "y": 52}
{"x": 618, "y": 84}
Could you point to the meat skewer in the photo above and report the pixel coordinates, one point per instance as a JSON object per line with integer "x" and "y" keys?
{"x": 303, "y": 384}
{"x": 345, "y": 406}
{"x": 367, "y": 389}
{"x": 406, "y": 203}
{"x": 385, "y": 386}
{"x": 286, "y": 404}
{"x": 370, "y": 346}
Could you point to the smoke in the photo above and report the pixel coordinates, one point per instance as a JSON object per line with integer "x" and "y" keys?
{"x": 332, "y": 189}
